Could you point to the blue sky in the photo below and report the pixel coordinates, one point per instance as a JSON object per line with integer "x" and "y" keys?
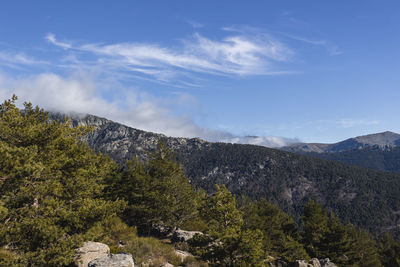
{"x": 314, "y": 71}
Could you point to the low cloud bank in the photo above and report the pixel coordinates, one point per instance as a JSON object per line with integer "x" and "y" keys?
{"x": 268, "y": 141}
{"x": 132, "y": 108}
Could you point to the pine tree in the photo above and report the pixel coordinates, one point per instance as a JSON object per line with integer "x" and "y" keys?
{"x": 225, "y": 242}
{"x": 157, "y": 191}
{"x": 177, "y": 199}
{"x": 51, "y": 186}
{"x": 315, "y": 226}
{"x": 389, "y": 251}
{"x": 279, "y": 230}
{"x": 137, "y": 188}
{"x": 335, "y": 243}
{"x": 363, "y": 252}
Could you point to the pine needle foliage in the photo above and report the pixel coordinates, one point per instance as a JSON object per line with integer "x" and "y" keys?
{"x": 50, "y": 186}
{"x": 226, "y": 242}
{"x": 157, "y": 192}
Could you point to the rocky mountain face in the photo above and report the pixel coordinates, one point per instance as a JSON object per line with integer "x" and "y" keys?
{"x": 364, "y": 197}
{"x": 383, "y": 141}
{"x": 122, "y": 142}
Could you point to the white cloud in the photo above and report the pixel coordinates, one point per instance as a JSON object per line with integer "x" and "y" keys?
{"x": 349, "y": 123}
{"x": 100, "y": 69}
{"x": 16, "y": 60}
{"x": 52, "y": 39}
{"x": 332, "y": 49}
{"x": 132, "y": 107}
{"x": 77, "y": 94}
{"x": 195, "y": 24}
{"x": 268, "y": 141}
{"x": 233, "y": 55}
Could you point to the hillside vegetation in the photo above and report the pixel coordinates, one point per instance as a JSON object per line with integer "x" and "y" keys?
{"x": 369, "y": 199}
{"x": 380, "y": 151}
{"x": 56, "y": 193}
{"x": 372, "y": 157}
{"x": 366, "y": 198}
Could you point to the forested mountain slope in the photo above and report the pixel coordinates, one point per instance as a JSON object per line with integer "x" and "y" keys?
{"x": 383, "y": 141}
{"x": 367, "y": 198}
{"x": 371, "y": 157}
{"x": 379, "y": 151}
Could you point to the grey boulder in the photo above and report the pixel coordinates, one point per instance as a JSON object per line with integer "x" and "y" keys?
{"x": 327, "y": 263}
{"x": 314, "y": 263}
{"x": 90, "y": 251}
{"x": 114, "y": 260}
{"x": 183, "y": 236}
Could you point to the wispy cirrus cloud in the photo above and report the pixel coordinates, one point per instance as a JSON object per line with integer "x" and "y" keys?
{"x": 52, "y": 39}
{"x": 195, "y": 24}
{"x": 304, "y": 29}
{"x": 18, "y": 59}
{"x": 349, "y": 123}
{"x": 233, "y": 55}
{"x": 332, "y": 49}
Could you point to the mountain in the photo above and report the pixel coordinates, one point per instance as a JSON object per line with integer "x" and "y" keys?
{"x": 384, "y": 140}
{"x": 379, "y": 151}
{"x": 373, "y": 157}
{"x": 367, "y": 198}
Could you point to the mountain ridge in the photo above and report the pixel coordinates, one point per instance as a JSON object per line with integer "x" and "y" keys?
{"x": 383, "y": 140}
{"x": 367, "y": 198}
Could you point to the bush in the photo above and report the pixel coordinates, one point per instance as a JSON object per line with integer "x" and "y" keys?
{"x": 191, "y": 261}
{"x": 123, "y": 238}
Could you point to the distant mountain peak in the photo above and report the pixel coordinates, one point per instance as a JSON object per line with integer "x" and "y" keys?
{"x": 382, "y": 140}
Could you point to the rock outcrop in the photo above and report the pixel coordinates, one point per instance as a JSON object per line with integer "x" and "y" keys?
{"x": 312, "y": 263}
{"x": 183, "y": 236}
{"x": 95, "y": 254}
{"x": 90, "y": 251}
{"x": 113, "y": 260}
{"x": 327, "y": 263}
{"x": 162, "y": 231}
{"x": 303, "y": 263}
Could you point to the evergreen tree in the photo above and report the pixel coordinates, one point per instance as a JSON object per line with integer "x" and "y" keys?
{"x": 335, "y": 243}
{"x": 177, "y": 199}
{"x": 389, "y": 251}
{"x": 225, "y": 242}
{"x": 157, "y": 191}
{"x": 138, "y": 189}
{"x": 363, "y": 252}
{"x": 315, "y": 226}
{"x": 51, "y": 187}
{"x": 279, "y": 230}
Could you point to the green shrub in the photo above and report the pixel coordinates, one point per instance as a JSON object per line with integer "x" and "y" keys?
{"x": 191, "y": 261}
{"x": 123, "y": 238}
{"x": 148, "y": 248}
